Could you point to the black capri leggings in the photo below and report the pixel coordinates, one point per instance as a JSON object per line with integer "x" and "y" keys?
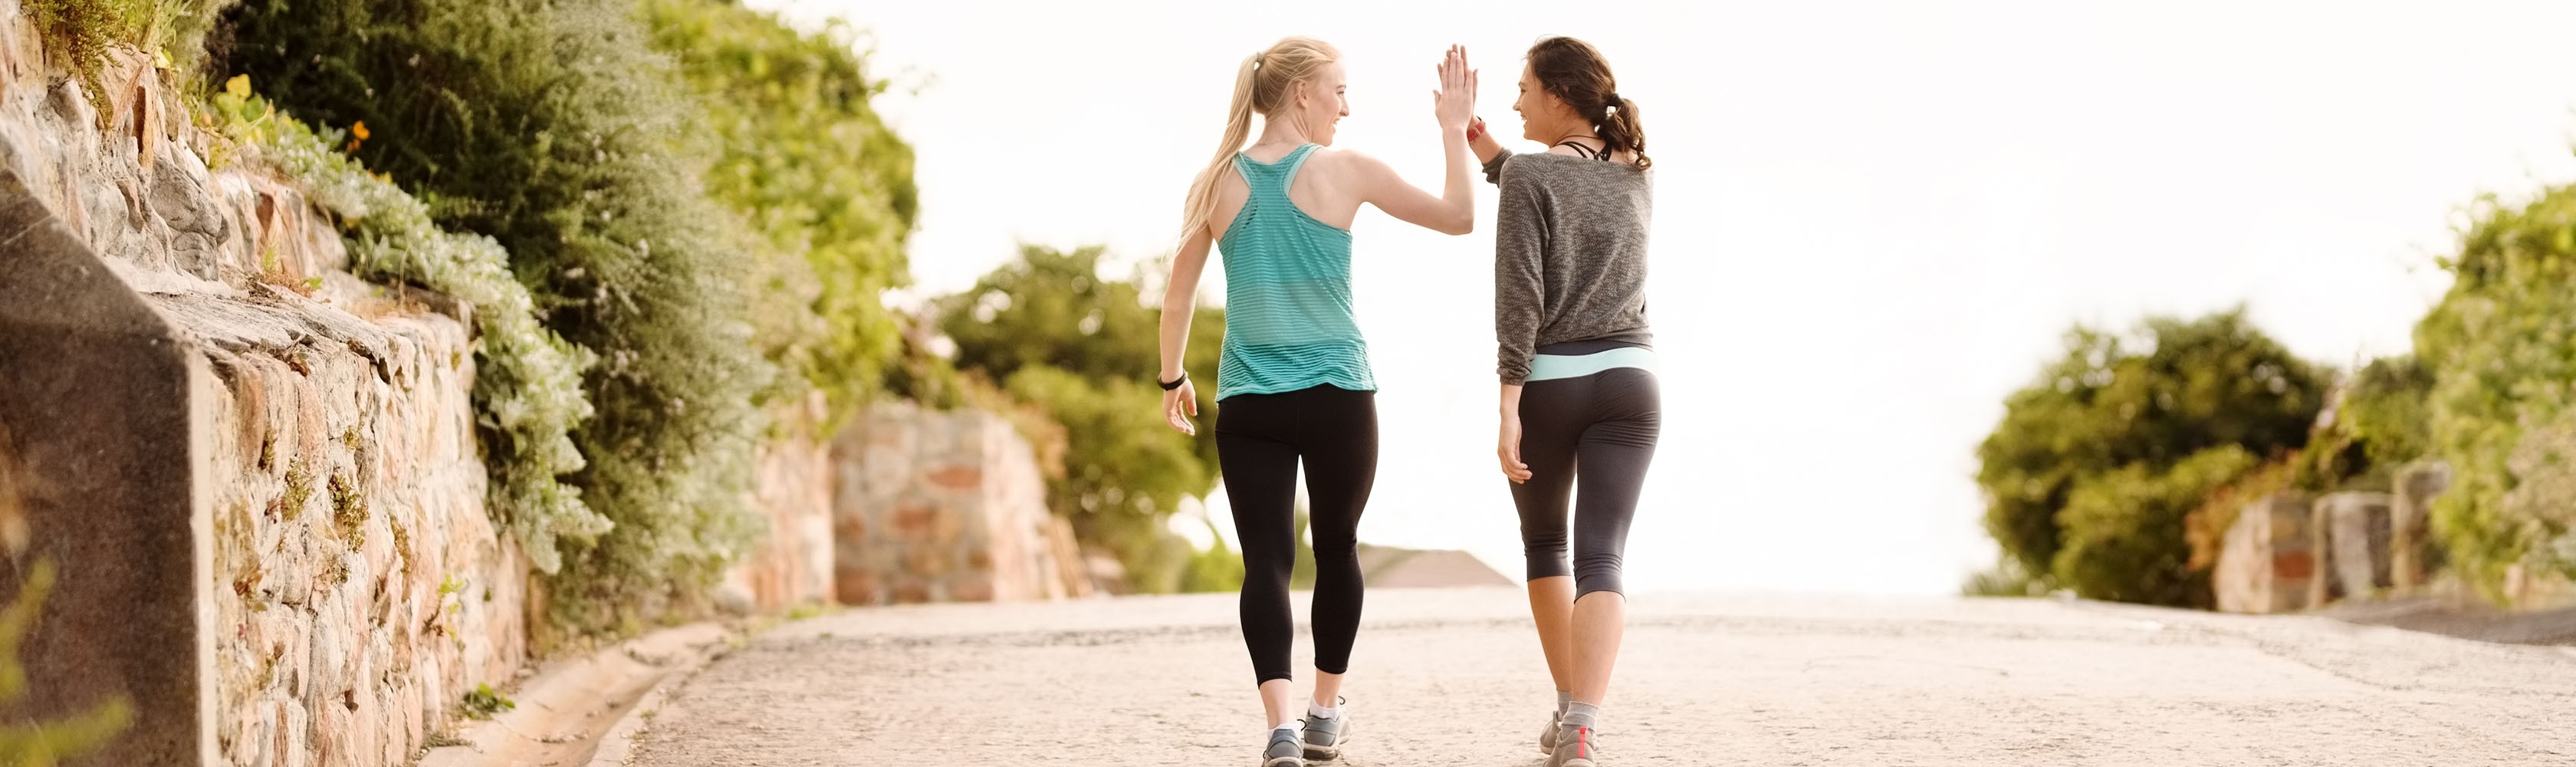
{"x": 1260, "y": 440}
{"x": 1603, "y": 425}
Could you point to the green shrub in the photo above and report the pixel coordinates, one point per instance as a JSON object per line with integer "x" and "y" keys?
{"x": 2125, "y": 537}
{"x": 2502, "y": 350}
{"x": 2377, "y": 426}
{"x": 82, "y": 31}
{"x": 2005, "y": 579}
{"x": 555, "y": 129}
{"x": 527, "y": 384}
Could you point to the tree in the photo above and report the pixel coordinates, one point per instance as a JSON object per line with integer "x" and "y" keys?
{"x": 827, "y": 188}
{"x": 2140, "y": 405}
{"x": 1083, "y": 349}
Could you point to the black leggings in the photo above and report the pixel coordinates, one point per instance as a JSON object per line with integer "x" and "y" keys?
{"x": 1606, "y": 424}
{"x": 1260, "y": 439}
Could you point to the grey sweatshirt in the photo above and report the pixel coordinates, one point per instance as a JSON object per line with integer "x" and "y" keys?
{"x": 1569, "y": 256}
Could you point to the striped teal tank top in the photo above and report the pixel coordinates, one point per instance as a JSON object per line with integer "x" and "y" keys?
{"x": 1288, "y": 318}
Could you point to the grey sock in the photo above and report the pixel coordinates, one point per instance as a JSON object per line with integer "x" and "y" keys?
{"x": 1581, "y": 714}
{"x": 1563, "y": 697}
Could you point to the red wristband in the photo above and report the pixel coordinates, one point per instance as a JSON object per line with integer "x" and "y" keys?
{"x": 1475, "y": 128}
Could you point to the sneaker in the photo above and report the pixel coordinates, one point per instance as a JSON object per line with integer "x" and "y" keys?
{"x": 1284, "y": 750}
{"x": 1324, "y": 737}
{"x": 1547, "y": 737}
{"x": 1575, "y": 747}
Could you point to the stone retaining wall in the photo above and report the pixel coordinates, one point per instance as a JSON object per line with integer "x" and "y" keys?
{"x": 334, "y": 584}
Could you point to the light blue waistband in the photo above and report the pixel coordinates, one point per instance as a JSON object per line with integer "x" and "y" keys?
{"x": 1550, "y": 366}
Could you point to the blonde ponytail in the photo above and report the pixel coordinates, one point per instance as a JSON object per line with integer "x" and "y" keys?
{"x": 1262, "y": 84}
{"x": 1238, "y": 128}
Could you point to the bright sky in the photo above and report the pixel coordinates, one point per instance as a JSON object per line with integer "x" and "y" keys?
{"x": 1874, "y": 219}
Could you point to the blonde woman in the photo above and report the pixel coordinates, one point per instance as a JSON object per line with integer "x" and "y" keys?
{"x": 1577, "y": 362}
{"x": 1293, "y": 379}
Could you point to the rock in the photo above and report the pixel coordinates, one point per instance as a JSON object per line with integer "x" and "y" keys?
{"x": 2356, "y": 530}
{"x": 2267, "y": 561}
{"x": 2410, "y": 542}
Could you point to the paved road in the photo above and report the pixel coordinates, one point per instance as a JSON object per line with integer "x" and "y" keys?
{"x": 1453, "y": 677}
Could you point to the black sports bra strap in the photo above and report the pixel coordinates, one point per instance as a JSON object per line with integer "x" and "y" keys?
{"x": 1588, "y": 154}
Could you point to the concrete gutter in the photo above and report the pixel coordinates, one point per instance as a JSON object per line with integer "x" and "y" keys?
{"x": 589, "y": 710}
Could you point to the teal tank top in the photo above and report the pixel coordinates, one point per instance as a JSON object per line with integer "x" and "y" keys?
{"x": 1288, "y": 318}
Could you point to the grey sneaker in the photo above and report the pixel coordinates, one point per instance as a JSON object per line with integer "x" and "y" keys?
{"x": 1547, "y": 737}
{"x": 1324, "y": 737}
{"x": 1284, "y": 750}
{"x": 1575, "y": 747}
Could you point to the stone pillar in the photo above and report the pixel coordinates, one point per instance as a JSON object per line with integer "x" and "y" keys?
{"x": 792, "y": 565}
{"x": 2269, "y": 558}
{"x": 2409, "y": 523}
{"x": 2356, "y": 529}
{"x": 104, "y": 410}
{"x": 934, "y": 506}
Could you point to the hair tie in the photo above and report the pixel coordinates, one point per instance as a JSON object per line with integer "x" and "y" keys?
{"x": 1614, "y": 100}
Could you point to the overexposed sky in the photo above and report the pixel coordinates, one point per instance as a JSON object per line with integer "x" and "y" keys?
{"x": 1874, "y": 219}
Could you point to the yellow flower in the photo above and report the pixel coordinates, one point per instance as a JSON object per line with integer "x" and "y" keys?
{"x": 360, "y": 130}
{"x": 239, "y": 86}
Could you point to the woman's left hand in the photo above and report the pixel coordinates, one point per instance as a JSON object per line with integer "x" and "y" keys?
{"x": 1179, "y": 405}
{"x": 1455, "y": 103}
{"x": 1508, "y": 448}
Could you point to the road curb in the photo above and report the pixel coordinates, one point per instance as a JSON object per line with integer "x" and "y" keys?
{"x": 588, "y": 710}
{"x": 618, "y": 744}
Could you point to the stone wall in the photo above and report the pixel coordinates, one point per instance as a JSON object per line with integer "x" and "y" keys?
{"x": 266, "y": 500}
{"x": 945, "y": 506}
{"x": 361, "y": 587}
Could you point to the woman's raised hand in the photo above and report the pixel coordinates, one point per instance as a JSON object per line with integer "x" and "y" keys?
{"x": 1455, "y": 103}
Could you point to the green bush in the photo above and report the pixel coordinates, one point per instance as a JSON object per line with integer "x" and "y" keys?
{"x": 2377, "y": 426}
{"x": 2005, "y": 579}
{"x": 82, "y": 32}
{"x": 2142, "y": 404}
{"x": 555, "y": 129}
{"x": 527, "y": 381}
{"x": 2502, "y": 350}
{"x": 803, "y": 158}
{"x": 2125, "y": 530}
